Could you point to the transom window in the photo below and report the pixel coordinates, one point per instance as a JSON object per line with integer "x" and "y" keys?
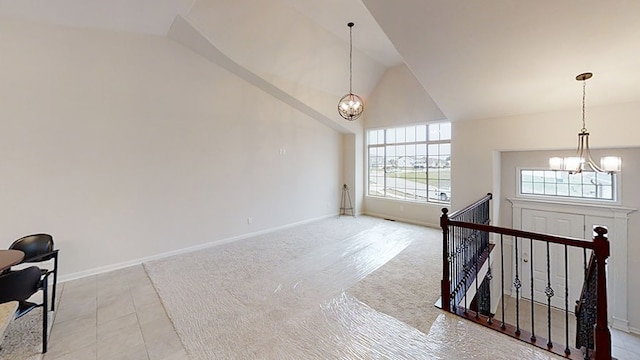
{"x": 411, "y": 162}
{"x": 585, "y": 185}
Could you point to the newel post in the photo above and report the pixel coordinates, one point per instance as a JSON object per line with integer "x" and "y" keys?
{"x": 445, "y": 283}
{"x": 601, "y": 333}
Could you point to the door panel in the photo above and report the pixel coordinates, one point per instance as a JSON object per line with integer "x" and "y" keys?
{"x": 547, "y": 261}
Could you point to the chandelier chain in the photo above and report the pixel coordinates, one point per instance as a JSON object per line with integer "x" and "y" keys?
{"x": 584, "y": 92}
{"x": 350, "y": 58}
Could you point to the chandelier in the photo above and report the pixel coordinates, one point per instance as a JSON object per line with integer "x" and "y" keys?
{"x": 583, "y": 160}
{"x": 351, "y": 105}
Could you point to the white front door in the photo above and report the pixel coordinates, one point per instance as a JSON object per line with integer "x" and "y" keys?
{"x": 547, "y": 261}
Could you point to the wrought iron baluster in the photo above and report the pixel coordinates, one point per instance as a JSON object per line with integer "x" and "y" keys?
{"x": 489, "y": 277}
{"x": 533, "y": 328}
{"x": 452, "y": 264}
{"x": 454, "y": 272}
{"x": 502, "y": 326}
{"x": 466, "y": 271}
{"x": 462, "y": 280}
{"x": 457, "y": 264}
{"x": 549, "y": 292}
{"x": 566, "y": 301}
{"x": 475, "y": 262}
{"x": 517, "y": 284}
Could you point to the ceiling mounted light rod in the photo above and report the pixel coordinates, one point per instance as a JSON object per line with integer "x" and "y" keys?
{"x": 351, "y": 105}
{"x": 583, "y": 159}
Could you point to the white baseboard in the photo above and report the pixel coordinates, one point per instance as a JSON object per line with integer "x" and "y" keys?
{"x": 408, "y": 221}
{"x": 619, "y": 324}
{"x": 634, "y": 330}
{"x": 125, "y": 264}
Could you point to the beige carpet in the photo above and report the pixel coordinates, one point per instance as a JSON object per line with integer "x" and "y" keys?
{"x": 23, "y": 337}
{"x": 282, "y": 295}
{"x": 408, "y": 286}
{"x": 334, "y": 289}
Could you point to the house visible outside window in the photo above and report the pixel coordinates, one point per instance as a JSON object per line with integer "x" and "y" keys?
{"x": 587, "y": 185}
{"x": 411, "y": 162}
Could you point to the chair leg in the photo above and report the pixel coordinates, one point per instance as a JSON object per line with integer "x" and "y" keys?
{"x": 55, "y": 281}
{"x": 45, "y": 314}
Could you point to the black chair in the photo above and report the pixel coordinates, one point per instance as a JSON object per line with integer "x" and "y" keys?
{"x": 39, "y": 248}
{"x": 19, "y": 285}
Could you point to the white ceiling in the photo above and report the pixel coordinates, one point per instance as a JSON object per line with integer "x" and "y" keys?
{"x": 477, "y": 59}
{"x": 333, "y": 15}
{"x": 143, "y": 16}
{"x": 493, "y": 58}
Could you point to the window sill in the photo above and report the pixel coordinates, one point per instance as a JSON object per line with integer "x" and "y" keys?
{"x": 405, "y": 201}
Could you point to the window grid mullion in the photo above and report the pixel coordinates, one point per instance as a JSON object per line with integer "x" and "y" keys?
{"x": 401, "y": 174}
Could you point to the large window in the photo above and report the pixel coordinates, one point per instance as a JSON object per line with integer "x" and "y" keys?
{"x": 411, "y": 162}
{"x": 585, "y": 185}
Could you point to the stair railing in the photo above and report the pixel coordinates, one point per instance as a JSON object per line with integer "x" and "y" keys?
{"x": 463, "y": 251}
{"x": 467, "y": 250}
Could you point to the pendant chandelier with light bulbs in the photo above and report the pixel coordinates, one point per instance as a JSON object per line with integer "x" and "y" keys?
{"x": 351, "y": 105}
{"x": 583, "y": 160}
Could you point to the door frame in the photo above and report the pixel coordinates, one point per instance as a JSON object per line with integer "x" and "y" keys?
{"x": 616, "y": 219}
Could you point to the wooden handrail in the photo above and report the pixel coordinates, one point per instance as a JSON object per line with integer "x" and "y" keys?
{"x": 581, "y": 243}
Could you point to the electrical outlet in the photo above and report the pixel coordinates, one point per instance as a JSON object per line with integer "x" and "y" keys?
{"x": 249, "y": 220}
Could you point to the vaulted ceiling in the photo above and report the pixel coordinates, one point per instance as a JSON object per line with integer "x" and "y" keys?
{"x": 477, "y": 59}
{"x": 495, "y": 58}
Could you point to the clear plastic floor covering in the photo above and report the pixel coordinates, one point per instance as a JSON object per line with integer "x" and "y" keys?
{"x": 282, "y": 296}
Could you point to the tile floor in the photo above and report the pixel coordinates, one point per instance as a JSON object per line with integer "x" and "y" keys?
{"x": 116, "y": 315}
{"x": 625, "y": 346}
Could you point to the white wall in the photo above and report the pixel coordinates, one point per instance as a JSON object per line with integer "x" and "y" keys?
{"x": 398, "y": 100}
{"x": 476, "y": 168}
{"x": 127, "y": 146}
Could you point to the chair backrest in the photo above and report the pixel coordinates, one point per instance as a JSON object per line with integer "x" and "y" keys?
{"x": 33, "y": 245}
{"x": 19, "y": 285}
